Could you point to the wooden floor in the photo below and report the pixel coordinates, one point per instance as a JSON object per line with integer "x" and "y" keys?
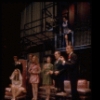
{"x": 60, "y": 98}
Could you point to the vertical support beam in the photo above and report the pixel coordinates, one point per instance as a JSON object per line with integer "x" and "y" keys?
{"x": 43, "y": 51}
{"x": 55, "y": 41}
{"x": 72, "y": 38}
{"x": 45, "y": 14}
{"x": 31, "y": 16}
{"x": 75, "y": 16}
{"x": 53, "y": 15}
{"x": 75, "y": 22}
{"x": 42, "y": 19}
{"x": 55, "y": 36}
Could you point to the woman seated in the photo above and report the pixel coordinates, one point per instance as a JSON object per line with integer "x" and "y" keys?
{"x": 16, "y": 86}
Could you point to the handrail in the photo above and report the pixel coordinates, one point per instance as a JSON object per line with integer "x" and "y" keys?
{"x": 40, "y": 18}
{"x": 75, "y": 47}
{"x": 49, "y": 4}
{"x": 30, "y": 41}
{"x": 35, "y": 34}
{"x": 36, "y": 20}
{"x": 26, "y": 27}
{"x": 33, "y": 27}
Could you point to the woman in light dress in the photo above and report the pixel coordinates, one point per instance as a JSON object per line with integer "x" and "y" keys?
{"x": 34, "y": 71}
{"x": 67, "y": 32}
{"x": 46, "y": 72}
{"x": 16, "y": 86}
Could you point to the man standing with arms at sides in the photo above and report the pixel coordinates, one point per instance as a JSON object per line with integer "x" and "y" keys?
{"x": 56, "y": 70}
{"x": 73, "y": 70}
{"x": 28, "y": 85}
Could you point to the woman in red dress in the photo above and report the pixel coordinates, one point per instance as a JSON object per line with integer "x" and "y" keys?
{"x": 34, "y": 70}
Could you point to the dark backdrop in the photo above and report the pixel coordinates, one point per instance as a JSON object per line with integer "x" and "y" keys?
{"x": 10, "y": 36}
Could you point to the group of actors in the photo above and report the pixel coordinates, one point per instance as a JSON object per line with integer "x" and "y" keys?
{"x": 51, "y": 74}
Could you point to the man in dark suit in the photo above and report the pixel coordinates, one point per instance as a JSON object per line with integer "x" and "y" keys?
{"x": 17, "y": 64}
{"x": 58, "y": 74}
{"x": 72, "y": 70}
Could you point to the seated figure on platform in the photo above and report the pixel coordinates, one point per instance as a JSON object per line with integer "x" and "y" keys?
{"x": 67, "y": 31}
{"x": 16, "y": 84}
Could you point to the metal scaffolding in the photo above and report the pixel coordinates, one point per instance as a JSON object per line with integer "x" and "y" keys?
{"x": 43, "y": 38}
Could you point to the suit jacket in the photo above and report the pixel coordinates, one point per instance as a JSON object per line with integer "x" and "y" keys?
{"x": 17, "y": 66}
{"x": 57, "y": 65}
{"x": 61, "y": 68}
{"x": 72, "y": 67}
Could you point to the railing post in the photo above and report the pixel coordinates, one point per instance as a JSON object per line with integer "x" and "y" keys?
{"x": 55, "y": 41}
{"x": 72, "y": 38}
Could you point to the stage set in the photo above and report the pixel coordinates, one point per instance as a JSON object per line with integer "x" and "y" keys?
{"x": 47, "y": 28}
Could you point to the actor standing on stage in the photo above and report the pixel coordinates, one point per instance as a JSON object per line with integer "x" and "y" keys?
{"x": 57, "y": 72}
{"x": 73, "y": 70}
{"x": 28, "y": 85}
{"x": 34, "y": 71}
{"x": 46, "y": 72}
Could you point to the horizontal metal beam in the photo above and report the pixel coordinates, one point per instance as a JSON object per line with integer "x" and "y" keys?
{"x": 35, "y": 20}
{"x": 30, "y": 40}
{"x": 47, "y": 12}
{"x": 49, "y": 6}
{"x": 46, "y": 36}
{"x": 36, "y": 34}
{"x": 32, "y": 27}
{"x": 75, "y": 48}
{"x": 39, "y": 39}
{"x": 36, "y": 37}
